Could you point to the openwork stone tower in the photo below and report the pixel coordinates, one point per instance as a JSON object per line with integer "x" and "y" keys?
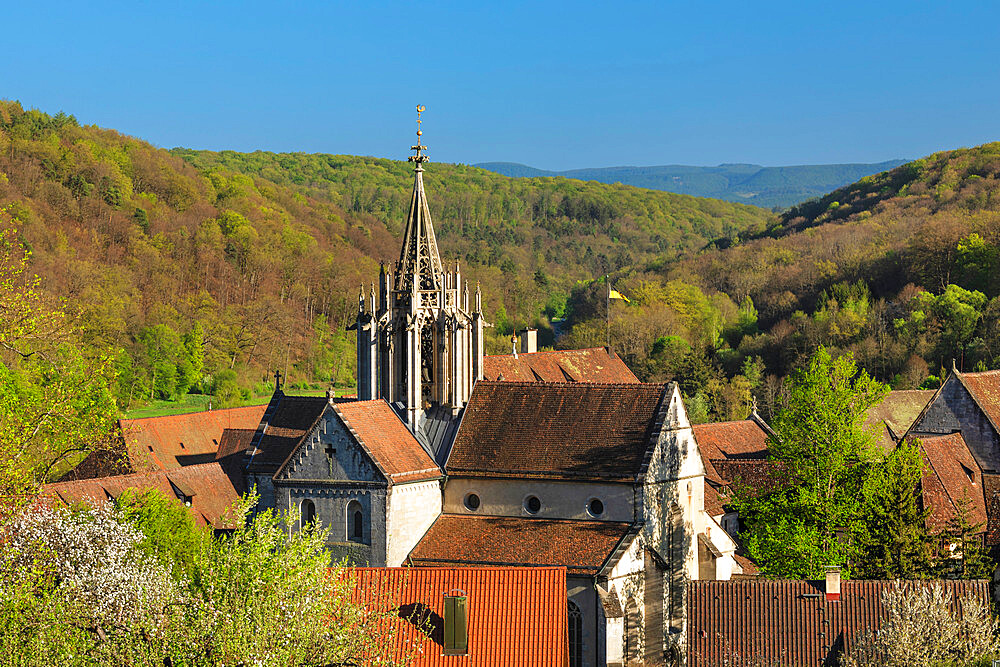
{"x": 420, "y": 346}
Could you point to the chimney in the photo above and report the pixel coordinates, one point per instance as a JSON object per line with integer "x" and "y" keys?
{"x": 529, "y": 341}
{"x": 832, "y": 583}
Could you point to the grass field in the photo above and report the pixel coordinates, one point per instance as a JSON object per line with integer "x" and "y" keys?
{"x": 200, "y": 402}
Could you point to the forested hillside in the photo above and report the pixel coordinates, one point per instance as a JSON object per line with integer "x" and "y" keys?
{"x": 770, "y": 187}
{"x": 207, "y": 271}
{"x": 900, "y": 268}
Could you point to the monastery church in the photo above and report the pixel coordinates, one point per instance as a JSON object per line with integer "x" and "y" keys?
{"x": 450, "y": 457}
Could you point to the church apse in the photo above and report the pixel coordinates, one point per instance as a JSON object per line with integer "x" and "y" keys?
{"x": 420, "y": 345}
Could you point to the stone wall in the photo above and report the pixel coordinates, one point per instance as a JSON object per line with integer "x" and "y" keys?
{"x": 954, "y": 409}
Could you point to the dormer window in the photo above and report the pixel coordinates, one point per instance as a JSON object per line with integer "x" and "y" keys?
{"x": 456, "y": 625}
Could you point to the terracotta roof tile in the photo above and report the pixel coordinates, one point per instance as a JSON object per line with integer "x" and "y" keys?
{"x": 771, "y": 622}
{"x": 582, "y": 547}
{"x": 387, "y": 440}
{"x": 950, "y": 476}
{"x": 594, "y": 364}
{"x": 894, "y": 416}
{"x": 292, "y": 419}
{"x": 985, "y": 389}
{"x": 234, "y": 441}
{"x": 166, "y": 443}
{"x": 516, "y": 615}
{"x": 212, "y": 489}
{"x": 744, "y": 439}
{"x": 544, "y": 429}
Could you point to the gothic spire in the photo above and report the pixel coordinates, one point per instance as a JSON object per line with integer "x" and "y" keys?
{"x": 419, "y": 256}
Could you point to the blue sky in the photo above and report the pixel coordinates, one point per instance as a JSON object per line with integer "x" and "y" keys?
{"x": 555, "y": 85}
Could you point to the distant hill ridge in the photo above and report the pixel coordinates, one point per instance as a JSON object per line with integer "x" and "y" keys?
{"x": 768, "y": 187}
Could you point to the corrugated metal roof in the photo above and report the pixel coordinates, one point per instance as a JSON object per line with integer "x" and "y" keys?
{"x": 773, "y": 623}
{"x": 594, "y": 364}
{"x": 516, "y": 615}
{"x": 557, "y": 430}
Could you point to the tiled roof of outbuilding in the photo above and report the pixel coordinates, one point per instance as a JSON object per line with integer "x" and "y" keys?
{"x": 773, "y": 622}
{"x": 951, "y": 476}
{"x": 234, "y": 441}
{"x": 166, "y": 443}
{"x": 744, "y": 439}
{"x": 387, "y": 440}
{"x": 557, "y": 430}
{"x": 985, "y": 390}
{"x": 594, "y": 364}
{"x": 583, "y": 547}
{"x": 212, "y": 488}
{"x": 894, "y": 416}
{"x": 516, "y": 615}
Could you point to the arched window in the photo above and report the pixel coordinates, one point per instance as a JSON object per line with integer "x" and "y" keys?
{"x": 307, "y": 513}
{"x": 632, "y": 631}
{"x": 355, "y": 522}
{"x": 575, "y": 634}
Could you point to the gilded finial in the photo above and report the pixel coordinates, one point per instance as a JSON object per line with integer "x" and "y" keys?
{"x": 419, "y": 157}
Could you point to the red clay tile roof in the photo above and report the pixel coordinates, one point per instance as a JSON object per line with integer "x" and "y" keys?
{"x": 894, "y": 416}
{"x": 387, "y": 440}
{"x": 744, "y": 439}
{"x": 166, "y": 443}
{"x": 234, "y": 441}
{"x": 516, "y": 615}
{"x": 770, "y": 622}
{"x": 985, "y": 390}
{"x": 713, "y": 501}
{"x": 211, "y": 487}
{"x": 991, "y": 490}
{"x": 950, "y": 476}
{"x": 293, "y": 418}
{"x": 583, "y": 547}
{"x": 594, "y": 364}
{"x": 557, "y": 430}
{"x": 760, "y": 476}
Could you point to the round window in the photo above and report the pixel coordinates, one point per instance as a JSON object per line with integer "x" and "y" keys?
{"x": 472, "y": 502}
{"x": 532, "y": 504}
{"x": 595, "y": 507}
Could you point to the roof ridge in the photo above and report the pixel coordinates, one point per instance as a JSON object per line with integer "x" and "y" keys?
{"x": 528, "y": 354}
{"x": 530, "y": 383}
{"x": 195, "y": 412}
{"x": 144, "y": 473}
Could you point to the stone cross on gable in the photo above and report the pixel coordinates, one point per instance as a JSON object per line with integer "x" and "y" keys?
{"x": 331, "y": 451}
{"x": 277, "y": 380}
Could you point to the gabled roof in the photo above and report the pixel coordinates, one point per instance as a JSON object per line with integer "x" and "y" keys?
{"x": 167, "y": 443}
{"x": 985, "y": 390}
{"x": 774, "y": 622}
{"x": 385, "y": 438}
{"x": 211, "y": 488}
{"x": 558, "y": 430}
{"x": 596, "y": 364}
{"x": 516, "y": 615}
{"x": 235, "y": 441}
{"x": 745, "y": 439}
{"x": 951, "y": 476}
{"x": 288, "y": 420}
{"x": 583, "y": 547}
{"x": 894, "y": 416}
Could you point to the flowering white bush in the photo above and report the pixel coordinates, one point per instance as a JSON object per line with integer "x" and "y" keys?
{"x": 93, "y": 560}
{"x": 920, "y": 631}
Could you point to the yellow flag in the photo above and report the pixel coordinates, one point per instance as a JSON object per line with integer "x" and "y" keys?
{"x": 615, "y": 294}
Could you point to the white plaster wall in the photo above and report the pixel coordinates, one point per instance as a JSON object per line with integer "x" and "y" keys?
{"x": 726, "y": 565}
{"x": 560, "y": 500}
{"x": 412, "y": 508}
